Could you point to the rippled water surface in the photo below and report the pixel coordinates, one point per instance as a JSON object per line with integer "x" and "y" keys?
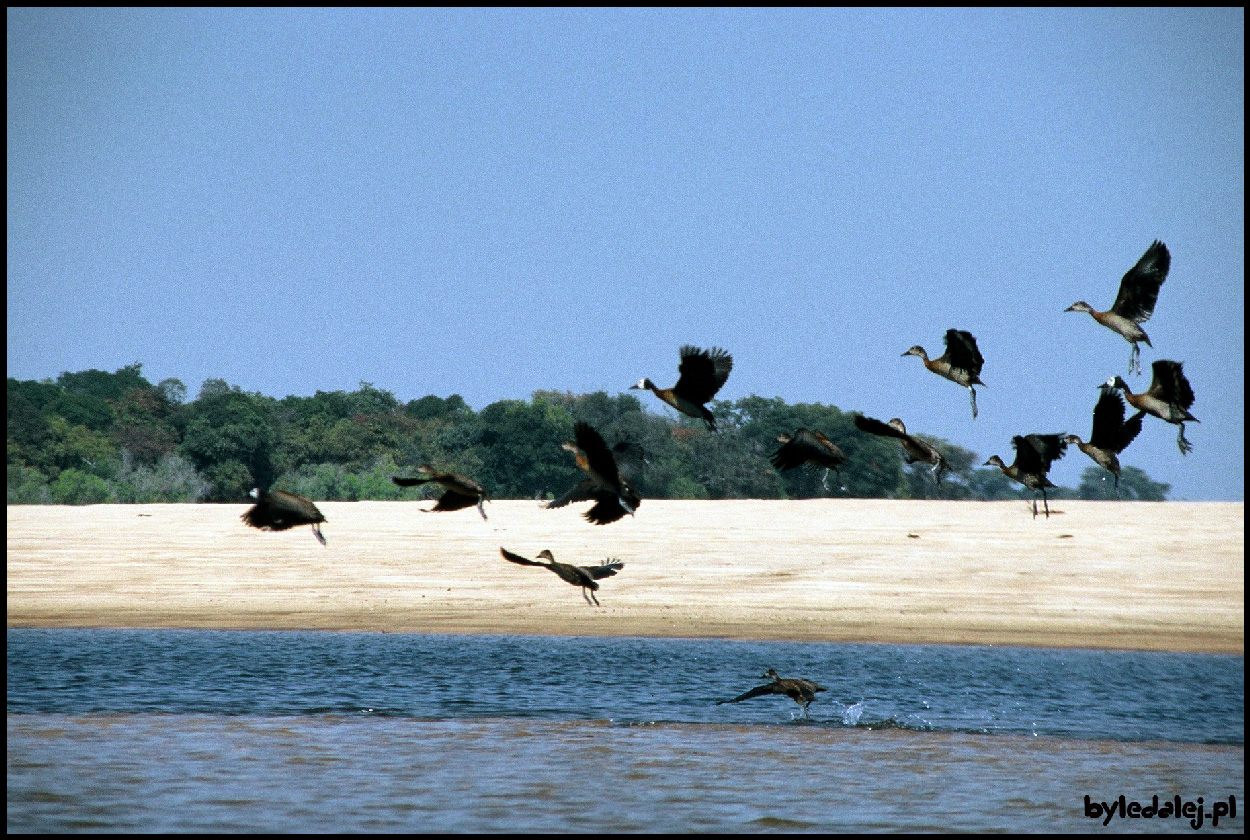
{"x": 163, "y": 730}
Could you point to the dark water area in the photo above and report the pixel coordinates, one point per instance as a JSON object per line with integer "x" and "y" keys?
{"x": 179, "y": 730}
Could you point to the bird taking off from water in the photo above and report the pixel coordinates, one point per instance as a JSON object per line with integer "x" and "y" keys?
{"x": 603, "y": 484}
{"x": 700, "y": 374}
{"x": 1168, "y": 398}
{"x": 802, "y": 692}
{"x": 1139, "y": 290}
{"x": 961, "y": 363}
{"x": 459, "y": 491}
{"x": 279, "y": 510}
{"x": 586, "y": 577}
{"x": 1034, "y": 455}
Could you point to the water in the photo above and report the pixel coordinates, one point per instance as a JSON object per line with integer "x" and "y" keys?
{"x": 168, "y": 730}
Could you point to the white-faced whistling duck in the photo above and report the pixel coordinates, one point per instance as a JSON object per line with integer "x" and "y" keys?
{"x": 583, "y": 576}
{"x": 961, "y": 363}
{"x": 459, "y": 492}
{"x": 1168, "y": 398}
{"x": 1110, "y": 435}
{"x": 1139, "y": 290}
{"x": 807, "y": 447}
{"x": 603, "y": 484}
{"x": 700, "y": 374}
{"x": 802, "y": 692}
{"x": 279, "y": 510}
{"x": 915, "y": 450}
{"x": 1034, "y": 455}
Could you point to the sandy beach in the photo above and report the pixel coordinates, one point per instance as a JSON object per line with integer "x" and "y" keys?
{"x": 1143, "y": 576}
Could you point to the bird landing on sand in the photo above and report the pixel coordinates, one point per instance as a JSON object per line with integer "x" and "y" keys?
{"x": 278, "y": 510}
{"x": 584, "y": 576}
{"x": 802, "y": 692}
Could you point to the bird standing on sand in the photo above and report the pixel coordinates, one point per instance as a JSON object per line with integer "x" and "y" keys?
{"x": 802, "y": 692}
{"x": 612, "y": 495}
{"x": 1135, "y": 302}
{"x": 700, "y": 374}
{"x": 279, "y": 510}
{"x": 584, "y": 576}
{"x": 961, "y": 363}
{"x": 459, "y": 491}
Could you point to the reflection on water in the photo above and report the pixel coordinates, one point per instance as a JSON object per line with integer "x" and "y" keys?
{"x": 235, "y": 731}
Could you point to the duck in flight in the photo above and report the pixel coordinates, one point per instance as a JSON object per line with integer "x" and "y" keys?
{"x": 1168, "y": 397}
{"x": 1111, "y": 435}
{"x": 806, "y": 447}
{"x": 802, "y": 692}
{"x": 700, "y": 374}
{"x": 459, "y": 491}
{"x": 279, "y": 510}
{"x": 1034, "y": 455}
{"x": 915, "y": 450}
{"x": 587, "y": 577}
{"x": 1135, "y": 302}
{"x": 603, "y": 484}
{"x": 961, "y": 363}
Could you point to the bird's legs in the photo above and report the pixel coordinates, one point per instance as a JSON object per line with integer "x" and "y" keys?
{"x": 480, "y": 508}
{"x": 973, "y": 391}
{"x": 1185, "y": 446}
{"x": 317, "y": 533}
{"x": 1134, "y": 360}
{"x": 587, "y": 595}
{"x": 1045, "y": 504}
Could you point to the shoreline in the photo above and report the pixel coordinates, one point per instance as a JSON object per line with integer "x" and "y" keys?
{"x": 832, "y": 570}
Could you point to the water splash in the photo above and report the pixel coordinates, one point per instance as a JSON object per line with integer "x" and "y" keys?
{"x": 850, "y": 715}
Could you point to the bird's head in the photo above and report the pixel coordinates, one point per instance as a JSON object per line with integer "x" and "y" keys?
{"x": 1079, "y": 306}
{"x": 994, "y": 461}
{"x": 546, "y": 554}
{"x": 897, "y": 425}
{"x": 1116, "y": 382}
{"x": 916, "y": 351}
{"x": 643, "y": 384}
{"x": 770, "y": 674}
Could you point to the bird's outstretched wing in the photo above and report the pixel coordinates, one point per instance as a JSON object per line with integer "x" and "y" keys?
{"x": 605, "y": 569}
{"x": 768, "y": 688}
{"x": 1139, "y": 288}
{"x": 516, "y": 558}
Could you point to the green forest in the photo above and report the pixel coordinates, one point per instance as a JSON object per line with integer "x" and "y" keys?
{"x": 95, "y": 437}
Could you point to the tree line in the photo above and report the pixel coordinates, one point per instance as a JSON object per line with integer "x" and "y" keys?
{"x": 96, "y": 437}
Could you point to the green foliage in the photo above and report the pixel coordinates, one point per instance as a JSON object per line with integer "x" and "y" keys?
{"x": 1135, "y": 485}
{"x": 75, "y": 487}
{"x": 95, "y": 436}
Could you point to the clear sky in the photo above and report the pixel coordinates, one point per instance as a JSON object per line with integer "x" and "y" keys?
{"x": 492, "y": 202}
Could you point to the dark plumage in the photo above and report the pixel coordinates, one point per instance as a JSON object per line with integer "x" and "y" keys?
{"x": 1135, "y": 303}
{"x": 1168, "y": 398}
{"x": 701, "y": 374}
{"x": 915, "y": 450}
{"x": 961, "y": 363}
{"x": 1110, "y": 435}
{"x": 806, "y": 447}
{"x": 1034, "y": 455}
{"x": 583, "y": 576}
{"x": 802, "y": 692}
{"x": 279, "y": 510}
{"x": 612, "y": 495}
{"x": 459, "y": 491}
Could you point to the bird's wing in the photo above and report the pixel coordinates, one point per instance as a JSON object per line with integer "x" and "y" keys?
{"x": 1139, "y": 288}
{"x": 1044, "y": 450}
{"x": 408, "y": 482}
{"x": 598, "y": 456}
{"x": 1170, "y": 383}
{"x": 1129, "y": 431}
{"x": 1108, "y": 419}
{"x": 516, "y": 558}
{"x": 607, "y": 509}
{"x": 603, "y": 570}
{"x": 769, "y": 688}
{"x": 583, "y": 491}
{"x": 875, "y": 427}
{"x": 961, "y": 350}
{"x": 701, "y": 373}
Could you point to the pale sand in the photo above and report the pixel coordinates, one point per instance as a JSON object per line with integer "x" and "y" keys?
{"x": 1147, "y": 576}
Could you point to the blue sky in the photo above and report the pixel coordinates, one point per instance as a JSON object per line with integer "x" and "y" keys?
{"x": 492, "y": 202}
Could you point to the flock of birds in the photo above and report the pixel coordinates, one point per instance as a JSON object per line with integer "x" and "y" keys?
{"x": 702, "y": 373}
